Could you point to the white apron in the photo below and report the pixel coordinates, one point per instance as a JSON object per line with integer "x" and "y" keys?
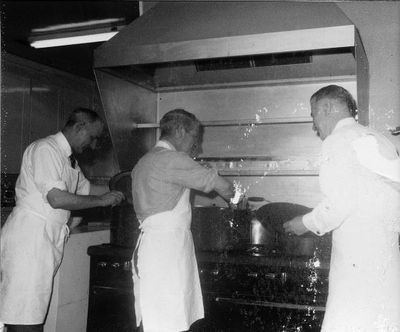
{"x": 32, "y": 244}
{"x": 167, "y": 286}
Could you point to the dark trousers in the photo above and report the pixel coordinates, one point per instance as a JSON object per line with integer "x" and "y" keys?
{"x": 25, "y": 328}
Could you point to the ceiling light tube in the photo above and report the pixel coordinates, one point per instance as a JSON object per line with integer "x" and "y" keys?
{"x": 64, "y": 38}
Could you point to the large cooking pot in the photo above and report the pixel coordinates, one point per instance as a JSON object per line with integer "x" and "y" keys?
{"x": 266, "y": 229}
{"x": 124, "y": 228}
{"x": 219, "y": 228}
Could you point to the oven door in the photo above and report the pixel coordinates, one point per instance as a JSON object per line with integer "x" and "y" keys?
{"x": 248, "y": 297}
{"x": 226, "y": 314}
{"x": 111, "y": 310}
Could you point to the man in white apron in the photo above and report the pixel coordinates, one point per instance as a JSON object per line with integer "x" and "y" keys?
{"x": 49, "y": 185}
{"x": 166, "y": 281}
{"x": 360, "y": 179}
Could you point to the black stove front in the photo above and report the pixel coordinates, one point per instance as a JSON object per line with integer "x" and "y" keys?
{"x": 254, "y": 295}
{"x": 241, "y": 292}
{"x": 111, "y": 300}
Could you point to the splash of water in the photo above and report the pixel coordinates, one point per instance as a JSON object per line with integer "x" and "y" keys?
{"x": 239, "y": 192}
{"x": 309, "y": 319}
{"x": 313, "y": 264}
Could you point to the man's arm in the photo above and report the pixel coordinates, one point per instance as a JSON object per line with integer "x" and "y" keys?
{"x": 60, "y": 199}
{"x": 224, "y": 188}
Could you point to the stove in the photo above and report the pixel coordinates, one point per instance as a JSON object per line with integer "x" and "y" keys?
{"x": 111, "y": 299}
{"x": 241, "y": 291}
{"x": 257, "y": 293}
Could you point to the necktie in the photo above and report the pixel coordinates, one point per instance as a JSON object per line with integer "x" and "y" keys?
{"x": 72, "y": 160}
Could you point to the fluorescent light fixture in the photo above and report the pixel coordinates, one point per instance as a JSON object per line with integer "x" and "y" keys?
{"x": 80, "y": 33}
{"x": 63, "y": 41}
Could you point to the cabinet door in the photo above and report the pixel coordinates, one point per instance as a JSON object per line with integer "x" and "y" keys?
{"x": 15, "y": 103}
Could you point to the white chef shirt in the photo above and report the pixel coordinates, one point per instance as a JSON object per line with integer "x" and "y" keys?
{"x": 46, "y": 165}
{"x": 373, "y": 152}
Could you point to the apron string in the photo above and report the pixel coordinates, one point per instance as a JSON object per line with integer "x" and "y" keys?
{"x": 135, "y": 253}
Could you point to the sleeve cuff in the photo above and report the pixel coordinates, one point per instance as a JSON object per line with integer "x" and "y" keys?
{"x": 84, "y": 188}
{"x": 44, "y": 188}
{"x": 311, "y": 224}
{"x": 211, "y": 183}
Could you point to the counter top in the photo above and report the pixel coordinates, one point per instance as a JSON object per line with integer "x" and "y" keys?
{"x": 90, "y": 227}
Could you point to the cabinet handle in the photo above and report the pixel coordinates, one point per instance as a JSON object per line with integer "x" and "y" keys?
{"x": 252, "y": 274}
{"x": 269, "y": 304}
{"x": 213, "y": 272}
{"x": 128, "y": 266}
{"x": 270, "y": 275}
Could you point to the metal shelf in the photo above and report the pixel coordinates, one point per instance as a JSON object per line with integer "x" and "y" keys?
{"x": 240, "y": 122}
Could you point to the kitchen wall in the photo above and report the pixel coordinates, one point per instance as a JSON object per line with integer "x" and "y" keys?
{"x": 276, "y": 161}
{"x": 36, "y": 101}
{"x": 379, "y": 25}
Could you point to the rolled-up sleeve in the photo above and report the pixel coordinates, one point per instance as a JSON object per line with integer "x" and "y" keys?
{"x": 83, "y": 185}
{"x": 180, "y": 169}
{"x": 326, "y": 216}
{"x": 46, "y": 166}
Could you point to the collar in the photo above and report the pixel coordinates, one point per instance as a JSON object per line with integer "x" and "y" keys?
{"x": 166, "y": 145}
{"x": 343, "y": 123}
{"x": 63, "y": 143}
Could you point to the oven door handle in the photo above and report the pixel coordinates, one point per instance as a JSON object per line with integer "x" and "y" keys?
{"x": 269, "y": 304}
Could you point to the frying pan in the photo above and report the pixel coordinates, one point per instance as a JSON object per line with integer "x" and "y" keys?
{"x": 272, "y": 216}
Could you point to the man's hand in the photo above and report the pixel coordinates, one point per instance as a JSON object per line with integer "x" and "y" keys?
{"x": 295, "y": 226}
{"x": 112, "y": 198}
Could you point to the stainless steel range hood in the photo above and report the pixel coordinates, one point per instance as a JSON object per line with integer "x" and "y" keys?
{"x": 179, "y": 31}
{"x": 180, "y": 45}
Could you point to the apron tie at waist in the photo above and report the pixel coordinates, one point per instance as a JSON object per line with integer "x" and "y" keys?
{"x": 28, "y": 208}
{"x": 64, "y": 227}
{"x": 165, "y": 221}
{"x": 153, "y": 224}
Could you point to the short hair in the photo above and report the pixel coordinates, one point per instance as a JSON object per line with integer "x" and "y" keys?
{"x": 82, "y": 114}
{"x": 176, "y": 119}
{"x": 338, "y": 93}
